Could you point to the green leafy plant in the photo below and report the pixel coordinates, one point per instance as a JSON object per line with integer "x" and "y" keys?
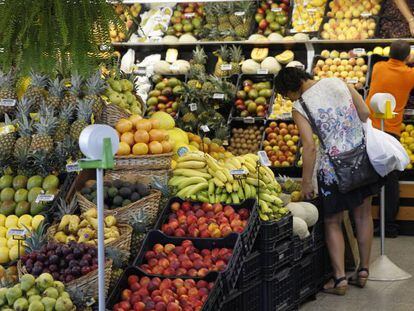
{"x": 53, "y": 34}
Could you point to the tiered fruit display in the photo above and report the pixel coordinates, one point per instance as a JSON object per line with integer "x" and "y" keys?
{"x": 392, "y": 22}
{"x": 291, "y": 187}
{"x": 8, "y": 276}
{"x": 19, "y": 193}
{"x": 281, "y": 143}
{"x": 212, "y": 147}
{"x": 281, "y": 109}
{"x": 245, "y": 140}
{"x": 204, "y": 220}
{"x": 84, "y": 228}
{"x": 253, "y": 99}
{"x": 307, "y": 16}
{"x": 127, "y": 14}
{"x": 352, "y": 70}
{"x": 191, "y": 180}
{"x": 343, "y": 54}
{"x": 349, "y": 9}
{"x": 9, "y": 248}
{"x": 117, "y": 193}
{"x": 142, "y": 136}
{"x": 121, "y": 93}
{"x": 407, "y": 140}
{"x": 272, "y": 17}
{"x": 185, "y": 259}
{"x": 349, "y": 29}
{"x": 154, "y": 23}
{"x": 187, "y": 18}
{"x": 228, "y": 63}
{"x": 41, "y": 293}
{"x": 165, "y": 96}
{"x": 145, "y": 293}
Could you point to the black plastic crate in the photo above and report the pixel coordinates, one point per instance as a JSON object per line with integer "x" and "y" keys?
{"x": 276, "y": 259}
{"x": 215, "y": 298}
{"x": 303, "y": 246}
{"x": 279, "y": 292}
{"x": 271, "y": 233}
{"x": 251, "y": 271}
{"x": 320, "y": 265}
{"x": 251, "y": 297}
{"x": 232, "y": 302}
{"x": 305, "y": 278}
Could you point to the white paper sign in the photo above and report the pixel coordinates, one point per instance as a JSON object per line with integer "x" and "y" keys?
{"x": 226, "y": 67}
{"x": 8, "y": 102}
{"x": 262, "y": 71}
{"x": 276, "y": 9}
{"x": 193, "y": 107}
{"x": 205, "y": 128}
{"x": 264, "y": 160}
{"x": 238, "y": 172}
{"x": 248, "y": 120}
{"x": 359, "y": 51}
{"x": 73, "y": 167}
{"x": 17, "y": 232}
{"x": 218, "y": 96}
{"x": 45, "y": 198}
{"x": 352, "y": 80}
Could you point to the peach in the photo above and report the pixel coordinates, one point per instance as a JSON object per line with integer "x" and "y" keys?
{"x": 152, "y": 286}
{"x": 182, "y": 219}
{"x": 175, "y": 206}
{"x": 139, "y": 306}
{"x": 244, "y": 213}
{"x": 169, "y": 248}
{"x": 179, "y": 232}
{"x": 216, "y": 233}
{"x": 236, "y": 223}
{"x": 148, "y": 255}
{"x": 158, "y": 270}
{"x": 212, "y": 226}
{"x": 143, "y": 292}
{"x": 181, "y": 271}
{"x": 174, "y": 224}
{"x": 203, "y": 292}
{"x": 205, "y": 252}
{"x": 174, "y": 264}
{"x": 158, "y": 248}
{"x": 186, "y": 206}
{"x": 201, "y": 284}
{"x": 180, "y": 212}
{"x": 194, "y": 232}
{"x": 172, "y": 306}
{"x": 204, "y": 234}
{"x": 191, "y": 219}
{"x": 238, "y": 229}
{"x": 182, "y": 291}
{"x": 178, "y": 282}
{"x": 199, "y": 213}
{"x": 203, "y": 227}
{"x": 221, "y": 265}
{"x": 166, "y": 228}
{"x": 164, "y": 263}
{"x": 192, "y": 272}
{"x": 207, "y": 207}
{"x": 160, "y": 306}
{"x": 183, "y": 257}
{"x": 193, "y": 292}
{"x": 187, "y": 264}
{"x": 201, "y": 220}
{"x": 152, "y": 262}
{"x": 198, "y": 264}
{"x": 196, "y": 207}
{"x": 165, "y": 284}
{"x": 202, "y": 272}
{"x": 186, "y": 243}
{"x": 210, "y": 214}
{"x": 169, "y": 271}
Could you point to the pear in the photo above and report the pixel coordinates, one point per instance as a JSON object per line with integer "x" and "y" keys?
{"x": 13, "y": 294}
{"x": 116, "y": 86}
{"x": 27, "y": 281}
{"x": 21, "y": 304}
{"x": 64, "y": 295}
{"x": 45, "y": 280}
{"x": 32, "y": 291}
{"x": 51, "y": 292}
{"x": 63, "y": 304}
{"x": 48, "y": 303}
{"x": 59, "y": 286}
{"x": 3, "y": 299}
{"x": 36, "y": 306}
{"x": 34, "y": 298}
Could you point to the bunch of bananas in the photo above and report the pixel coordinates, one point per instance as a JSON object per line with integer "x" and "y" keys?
{"x": 200, "y": 177}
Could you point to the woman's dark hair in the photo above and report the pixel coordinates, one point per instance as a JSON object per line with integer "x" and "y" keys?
{"x": 400, "y": 50}
{"x": 290, "y": 79}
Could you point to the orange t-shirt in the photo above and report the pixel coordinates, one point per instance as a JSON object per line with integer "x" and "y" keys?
{"x": 394, "y": 77}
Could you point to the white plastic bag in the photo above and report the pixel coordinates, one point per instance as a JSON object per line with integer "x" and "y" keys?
{"x": 385, "y": 153}
{"x": 127, "y": 61}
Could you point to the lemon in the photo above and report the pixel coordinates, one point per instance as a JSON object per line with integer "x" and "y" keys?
{"x": 2, "y": 220}
{"x": 3, "y": 242}
{"x": 14, "y": 252}
{"x": 11, "y": 242}
{"x": 24, "y": 221}
{"x": 11, "y": 221}
{"x": 3, "y": 231}
{"x": 4, "y": 255}
{"x": 37, "y": 220}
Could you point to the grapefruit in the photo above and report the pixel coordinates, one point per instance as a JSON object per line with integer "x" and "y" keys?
{"x": 123, "y": 126}
{"x": 141, "y": 136}
{"x": 124, "y": 149}
{"x": 128, "y": 138}
{"x": 155, "y": 147}
{"x": 157, "y": 135}
{"x": 140, "y": 149}
{"x": 166, "y": 146}
{"x": 166, "y": 121}
{"x": 143, "y": 124}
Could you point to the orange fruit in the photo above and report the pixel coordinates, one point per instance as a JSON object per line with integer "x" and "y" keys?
{"x": 141, "y": 136}
{"x": 157, "y": 135}
{"x": 166, "y": 146}
{"x": 197, "y": 139}
{"x": 128, "y": 138}
{"x": 140, "y": 149}
{"x": 143, "y": 124}
{"x": 134, "y": 118}
{"x": 124, "y": 149}
{"x": 155, "y": 147}
{"x": 155, "y": 123}
{"x": 123, "y": 126}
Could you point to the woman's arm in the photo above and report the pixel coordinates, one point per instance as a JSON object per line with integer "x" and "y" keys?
{"x": 406, "y": 12}
{"x": 362, "y": 108}
{"x": 308, "y": 155}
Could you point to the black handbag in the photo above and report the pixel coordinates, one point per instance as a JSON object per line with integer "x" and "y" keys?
{"x": 352, "y": 168}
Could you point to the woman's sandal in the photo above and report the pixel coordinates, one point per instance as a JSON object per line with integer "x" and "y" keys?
{"x": 337, "y": 290}
{"x": 359, "y": 280}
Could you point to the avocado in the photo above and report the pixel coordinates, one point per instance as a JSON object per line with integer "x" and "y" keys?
{"x": 22, "y": 208}
{"x": 125, "y": 192}
{"x": 19, "y": 182}
{"x": 117, "y": 200}
{"x": 112, "y": 192}
{"x": 7, "y": 208}
{"x": 135, "y": 196}
{"x": 126, "y": 202}
{"x": 85, "y": 191}
{"x": 117, "y": 183}
{"x": 36, "y": 208}
{"x": 143, "y": 190}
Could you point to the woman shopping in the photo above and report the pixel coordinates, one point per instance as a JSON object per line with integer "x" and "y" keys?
{"x": 335, "y": 112}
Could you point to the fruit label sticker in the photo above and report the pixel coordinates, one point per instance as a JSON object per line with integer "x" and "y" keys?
{"x": 17, "y": 232}
{"x": 205, "y": 128}
{"x": 276, "y": 9}
{"x": 225, "y": 67}
{"x": 73, "y": 167}
{"x": 218, "y": 96}
{"x": 240, "y": 172}
{"x": 264, "y": 160}
{"x": 174, "y": 68}
{"x": 352, "y": 80}
{"x": 366, "y": 14}
{"x": 189, "y": 15}
{"x": 239, "y": 13}
{"x": 141, "y": 70}
{"x": 248, "y": 120}
{"x": 182, "y": 151}
{"x": 359, "y": 51}
{"x": 8, "y": 102}
{"x": 262, "y": 71}
{"x": 45, "y": 198}
{"x": 193, "y": 107}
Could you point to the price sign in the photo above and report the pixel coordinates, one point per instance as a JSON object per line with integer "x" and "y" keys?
{"x": 189, "y": 15}
{"x": 352, "y": 80}
{"x": 90, "y": 302}
{"x": 193, "y": 107}
{"x": 205, "y": 128}
{"x": 359, "y": 51}
{"x": 225, "y": 142}
{"x": 248, "y": 120}
{"x": 262, "y": 71}
{"x": 239, "y": 13}
{"x": 45, "y": 198}
{"x": 264, "y": 160}
{"x": 226, "y": 67}
{"x": 285, "y": 115}
{"x": 8, "y": 102}
{"x": 240, "y": 172}
{"x": 366, "y": 14}
{"x": 311, "y": 10}
{"x": 412, "y": 48}
{"x": 141, "y": 70}
{"x": 17, "y": 232}
{"x": 182, "y": 151}
{"x": 218, "y": 96}
{"x": 73, "y": 167}
{"x": 276, "y": 9}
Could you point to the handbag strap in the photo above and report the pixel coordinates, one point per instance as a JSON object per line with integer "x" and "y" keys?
{"x": 312, "y": 122}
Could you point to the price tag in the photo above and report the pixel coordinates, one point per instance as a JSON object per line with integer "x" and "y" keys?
{"x": 218, "y": 96}
{"x": 359, "y": 51}
{"x": 193, "y": 107}
{"x": 239, "y": 13}
{"x": 205, "y": 128}
{"x": 311, "y": 10}
{"x": 8, "y": 102}
{"x": 156, "y": 39}
{"x": 264, "y": 160}
{"x": 285, "y": 115}
{"x": 238, "y": 172}
{"x": 226, "y": 67}
{"x": 262, "y": 71}
{"x": 73, "y": 167}
{"x": 182, "y": 151}
{"x": 409, "y": 112}
{"x": 276, "y": 9}
{"x": 141, "y": 70}
{"x": 352, "y": 80}
{"x": 174, "y": 68}
{"x": 45, "y": 198}
{"x": 90, "y": 302}
{"x": 189, "y": 15}
{"x": 225, "y": 142}
{"x": 248, "y": 120}
{"x": 17, "y": 232}
{"x": 366, "y": 14}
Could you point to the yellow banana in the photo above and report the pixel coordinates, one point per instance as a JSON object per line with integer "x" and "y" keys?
{"x": 250, "y": 168}
{"x": 229, "y": 187}
{"x": 235, "y": 163}
{"x": 247, "y": 191}
{"x": 220, "y": 175}
{"x": 255, "y": 182}
{"x": 235, "y": 198}
{"x": 218, "y": 182}
{"x": 264, "y": 207}
{"x": 240, "y": 193}
{"x": 191, "y": 164}
{"x": 191, "y": 181}
{"x": 73, "y": 224}
{"x": 64, "y": 222}
{"x": 229, "y": 166}
{"x": 228, "y": 175}
{"x": 192, "y": 157}
{"x": 212, "y": 163}
{"x": 175, "y": 180}
{"x": 191, "y": 173}
{"x": 270, "y": 172}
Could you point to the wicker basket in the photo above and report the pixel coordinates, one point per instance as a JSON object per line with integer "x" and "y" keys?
{"x": 145, "y": 177}
{"x": 144, "y": 162}
{"x": 122, "y": 243}
{"x": 85, "y": 282}
{"x": 112, "y": 113}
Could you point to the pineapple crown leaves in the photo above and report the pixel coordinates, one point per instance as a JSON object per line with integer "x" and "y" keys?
{"x": 23, "y": 163}
{"x": 47, "y": 121}
{"x": 119, "y": 257}
{"x": 248, "y": 7}
{"x": 38, "y": 79}
{"x": 199, "y": 56}
{"x": 163, "y": 187}
{"x": 66, "y": 209}
{"x": 84, "y": 110}
{"x": 75, "y": 85}
{"x": 66, "y": 113}
{"x": 95, "y": 85}
{"x": 36, "y": 239}
{"x": 44, "y": 162}
{"x": 24, "y": 125}
{"x": 7, "y": 80}
{"x": 223, "y": 53}
{"x": 81, "y": 295}
{"x": 23, "y": 106}
{"x": 139, "y": 221}
{"x": 236, "y": 54}
{"x": 56, "y": 87}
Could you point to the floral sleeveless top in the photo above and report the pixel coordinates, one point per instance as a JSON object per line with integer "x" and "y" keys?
{"x": 330, "y": 103}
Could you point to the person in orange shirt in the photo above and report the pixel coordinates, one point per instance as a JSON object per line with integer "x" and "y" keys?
{"x": 394, "y": 77}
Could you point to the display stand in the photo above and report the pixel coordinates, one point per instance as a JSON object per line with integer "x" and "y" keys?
{"x": 99, "y": 143}
{"x": 382, "y": 268}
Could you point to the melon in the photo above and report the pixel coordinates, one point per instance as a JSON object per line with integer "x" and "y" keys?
{"x": 165, "y": 120}
{"x": 177, "y": 136}
{"x": 311, "y": 212}
{"x": 170, "y": 39}
{"x": 301, "y": 36}
{"x": 271, "y": 64}
{"x": 297, "y": 210}
{"x": 249, "y": 66}
{"x": 275, "y": 37}
{"x": 180, "y": 67}
{"x": 296, "y": 64}
{"x": 162, "y": 67}
{"x": 257, "y": 38}
{"x": 300, "y": 228}
{"x": 285, "y": 57}
{"x": 187, "y": 38}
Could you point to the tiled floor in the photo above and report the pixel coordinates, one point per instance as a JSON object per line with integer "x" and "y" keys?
{"x": 377, "y": 296}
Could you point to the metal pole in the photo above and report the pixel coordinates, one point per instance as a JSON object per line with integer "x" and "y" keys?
{"x": 382, "y": 209}
{"x": 101, "y": 234}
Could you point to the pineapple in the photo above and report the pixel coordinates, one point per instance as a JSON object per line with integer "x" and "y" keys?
{"x": 7, "y": 138}
{"x": 235, "y": 20}
{"x": 236, "y": 60}
{"x": 42, "y": 140}
{"x": 36, "y": 239}
{"x": 223, "y": 55}
{"x": 25, "y": 132}
{"x": 63, "y": 126}
{"x": 55, "y": 93}
{"x": 23, "y": 163}
{"x": 84, "y": 112}
{"x": 7, "y": 90}
{"x": 36, "y": 89}
{"x": 198, "y": 63}
{"x": 210, "y": 13}
{"x": 222, "y": 10}
{"x": 242, "y": 24}
{"x": 82, "y": 297}
{"x": 95, "y": 86}
{"x": 74, "y": 91}
{"x": 65, "y": 208}
{"x": 139, "y": 226}
{"x": 119, "y": 263}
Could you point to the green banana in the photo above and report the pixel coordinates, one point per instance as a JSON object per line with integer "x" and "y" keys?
{"x": 229, "y": 187}
{"x": 255, "y": 182}
{"x": 235, "y": 198}
{"x": 240, "y": 193}
{"x": 191, "y": 181}
{"x": 247, "y": 191}
{"x": 223, "y": 197}
{"x": 190, "y": 173}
